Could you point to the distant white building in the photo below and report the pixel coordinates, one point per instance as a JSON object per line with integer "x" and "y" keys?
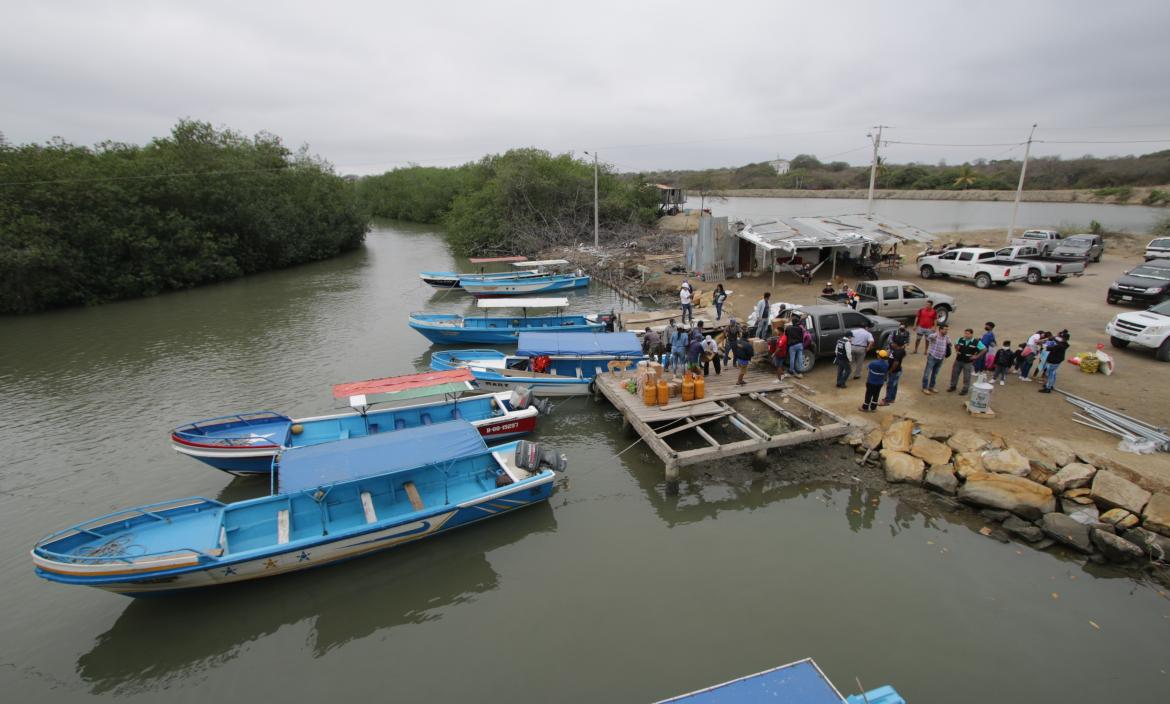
{"x": 780, "y": 165}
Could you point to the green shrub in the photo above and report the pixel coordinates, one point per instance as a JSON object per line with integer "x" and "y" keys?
{"x": 1156, "y": 196}
{"x": 1118, "y": 193}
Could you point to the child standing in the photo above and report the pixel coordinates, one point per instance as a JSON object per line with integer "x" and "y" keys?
{"x": 1003, "y": 361}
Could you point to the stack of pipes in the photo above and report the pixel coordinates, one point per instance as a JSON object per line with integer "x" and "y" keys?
{"x": 1094, "y": 415}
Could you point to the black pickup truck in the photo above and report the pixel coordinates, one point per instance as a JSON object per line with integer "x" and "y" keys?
{"x": 829, "y": 323}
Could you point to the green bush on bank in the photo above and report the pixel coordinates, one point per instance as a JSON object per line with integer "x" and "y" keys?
{"x": 513, "y": 203}
{"x": 83, "y": 226}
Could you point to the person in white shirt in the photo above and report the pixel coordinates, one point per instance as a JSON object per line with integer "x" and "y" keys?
{"x": 861, "y": 339}
{"x": 684, "y": 298}
{"x": 763, "y": 311}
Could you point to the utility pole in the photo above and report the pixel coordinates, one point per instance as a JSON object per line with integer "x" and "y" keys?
{"x": 877, "y": 139}
{"x": 596, "y": 229}
{"x": 1020, "y": 188}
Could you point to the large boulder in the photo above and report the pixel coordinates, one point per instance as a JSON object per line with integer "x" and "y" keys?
{"x": 1040, "y": 472}
{"x": 934, "y": 432}
{"x": 1085, "y": 515}
{"x": 1072, "y": 476}
{"x": 942, "y": 478}
{"x": 930, "y": 451}
{"x": 1007, "y": 461}
{"x": 965, "y": 440}
{"x": 1138, "y": 473}
{"x": 1065, "y": 530}
{"x": 1023, "y": 529}
{"x": 1026, "y": 499}
{"x": 1052, "y": 451}
{"x": 1111, "y": 490}
{"x": 968, "y": 463}
{"x": 1115, "y": 548}
{"x": 899, "y": 437}
{"x": 1156, "y": 516}
{"x": 901, "y": 467}
{"x": 1156, "y": 547}
{"x": 873, "y": 439}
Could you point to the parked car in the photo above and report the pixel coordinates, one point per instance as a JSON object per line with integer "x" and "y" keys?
{"x": 896, "y": 299}
{"x": 1087, "y": 248}
{"x": 828, "y": 323}
{"x": 1148, "y": 283}
{"x": 1040, "y": 266}
{"x": 981, "y": 265}
{"x": 1043, "y": 240}
{"x": 1148, "y": 328}
{"x": 1158, "y": 248}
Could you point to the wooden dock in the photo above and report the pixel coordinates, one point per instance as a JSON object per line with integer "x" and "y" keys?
{"x": 730, "y": 420}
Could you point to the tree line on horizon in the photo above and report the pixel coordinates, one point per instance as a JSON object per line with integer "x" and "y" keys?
{"x": 1110, "y": 175}
{"x": 518, "y": 202}
{"x": 81, "y": 225}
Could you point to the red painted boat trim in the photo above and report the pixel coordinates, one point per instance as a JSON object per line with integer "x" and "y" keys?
{"x": 394, "y": 384}
{"x": 226, "y": 448}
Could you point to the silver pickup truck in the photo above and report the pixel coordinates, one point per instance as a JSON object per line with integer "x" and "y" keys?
{"x": 1042, "y": 267}
{"x": 896, "y": 299}
{"x": 1043, "y": 240}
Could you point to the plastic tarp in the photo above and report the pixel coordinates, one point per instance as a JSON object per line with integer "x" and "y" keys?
{"x": 522, "y": 302}
{"x": 305, "y": 468}
{"x": 421, "y": 385}
{"x": 613, "y": 344}
{"x": 796, "y": 683}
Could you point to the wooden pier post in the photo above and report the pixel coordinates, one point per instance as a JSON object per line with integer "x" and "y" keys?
{"x": 672, "y": 478}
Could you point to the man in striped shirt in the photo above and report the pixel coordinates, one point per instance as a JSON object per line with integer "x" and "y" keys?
{"x": 937, "y": 344}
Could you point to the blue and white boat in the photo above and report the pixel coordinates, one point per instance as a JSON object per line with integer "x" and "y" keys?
{"x": 546, "y": 283}
{"x": 551, "y": 363}
{"x": 246, "y": 443}
{"x": 329, "y": 503}
{"x": 450, "y": 329}
{"x": 800, "y": 682}
{"x": 453, "y": 279}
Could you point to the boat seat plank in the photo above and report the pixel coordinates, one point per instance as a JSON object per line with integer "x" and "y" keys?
{"x": 368, "y": 507}
{"x": 282, "y": 526}
{"x": 412, "y": 493}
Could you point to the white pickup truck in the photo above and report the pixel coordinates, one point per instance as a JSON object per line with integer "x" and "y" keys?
{"x": 1147, "y": 328}
{"x": 1042, "y": 267}
{"x": 982, "y": 265}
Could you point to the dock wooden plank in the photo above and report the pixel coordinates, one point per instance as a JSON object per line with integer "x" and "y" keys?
{"x": 695, "y": 423}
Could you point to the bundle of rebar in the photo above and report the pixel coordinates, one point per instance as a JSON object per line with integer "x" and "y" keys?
{"x": 1107, "y": 420}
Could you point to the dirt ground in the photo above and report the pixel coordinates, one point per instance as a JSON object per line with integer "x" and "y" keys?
{"x": 1139, "y": 387}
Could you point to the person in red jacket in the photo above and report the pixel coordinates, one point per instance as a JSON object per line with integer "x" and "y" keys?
{"x": 924, "y": 323}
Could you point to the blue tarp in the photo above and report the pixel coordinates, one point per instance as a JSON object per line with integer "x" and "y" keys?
{"x": 304, "y": 468}
{"x": 617, "y": 344}
{"x": 800, "y": 682}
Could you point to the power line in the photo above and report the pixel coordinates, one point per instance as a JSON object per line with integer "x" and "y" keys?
{"x": 936, "y": 144}
{"x": 1104, "y": 141}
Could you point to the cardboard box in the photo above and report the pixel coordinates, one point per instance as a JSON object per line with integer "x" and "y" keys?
{"x": 759, "y": 346}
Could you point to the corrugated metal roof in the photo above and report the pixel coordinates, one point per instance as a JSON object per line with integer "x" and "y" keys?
{"x": 790, "y": 234}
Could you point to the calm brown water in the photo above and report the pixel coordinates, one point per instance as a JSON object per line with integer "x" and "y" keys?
{"x": 614, "y": 592}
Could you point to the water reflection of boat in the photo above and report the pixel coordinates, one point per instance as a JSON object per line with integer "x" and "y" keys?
{"x": 340, "y": 605}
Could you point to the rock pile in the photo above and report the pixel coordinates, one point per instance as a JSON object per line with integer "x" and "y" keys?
{"x": 1045, "y": 494}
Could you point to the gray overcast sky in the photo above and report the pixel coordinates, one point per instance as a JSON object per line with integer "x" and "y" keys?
{"x": 371, "y": 86}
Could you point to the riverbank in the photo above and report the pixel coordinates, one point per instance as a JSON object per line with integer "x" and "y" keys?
{"x": 1135, "y": 195}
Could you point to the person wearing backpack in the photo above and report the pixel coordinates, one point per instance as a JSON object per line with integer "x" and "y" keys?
{"x": 938, "y": 348}
{"x": 842, "y": 357}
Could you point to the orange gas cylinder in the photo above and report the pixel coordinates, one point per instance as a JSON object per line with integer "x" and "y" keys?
{"x": 688, "y": 388}
{"x": 649, "y": 391}
{"x": 663, "y": 393}
{"x": 700, "y": 386}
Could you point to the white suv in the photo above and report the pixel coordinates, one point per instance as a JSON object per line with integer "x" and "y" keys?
{"x": 1147, "y": 328}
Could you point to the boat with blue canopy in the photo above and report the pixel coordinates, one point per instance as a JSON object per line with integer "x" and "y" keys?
{"x": 800, "y": 682}
{"x": 247, "y": 442}
{"x": 551, "y": 363}
{"x": 450, "y": 329}
{"x": 328, "y": 503}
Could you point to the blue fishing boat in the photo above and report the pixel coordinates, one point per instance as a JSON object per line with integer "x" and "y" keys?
{"x": 450, "y": 329}
{"x": 246, "y": 443}
{"x": 551, "y": 363}
{"x": 800, "y": 682}
{"x": 329, "y": 503}
{"x": 453, "y": 279}
{"x": 546, "y": 283}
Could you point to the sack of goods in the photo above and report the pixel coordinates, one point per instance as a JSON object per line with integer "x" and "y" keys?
{"x": 1089, "y": 362}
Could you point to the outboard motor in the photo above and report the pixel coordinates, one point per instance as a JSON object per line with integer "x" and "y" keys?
{"x": 522, "y": 398}
{"x": 534, "y": 457}
{"x": 608, "y": 319}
